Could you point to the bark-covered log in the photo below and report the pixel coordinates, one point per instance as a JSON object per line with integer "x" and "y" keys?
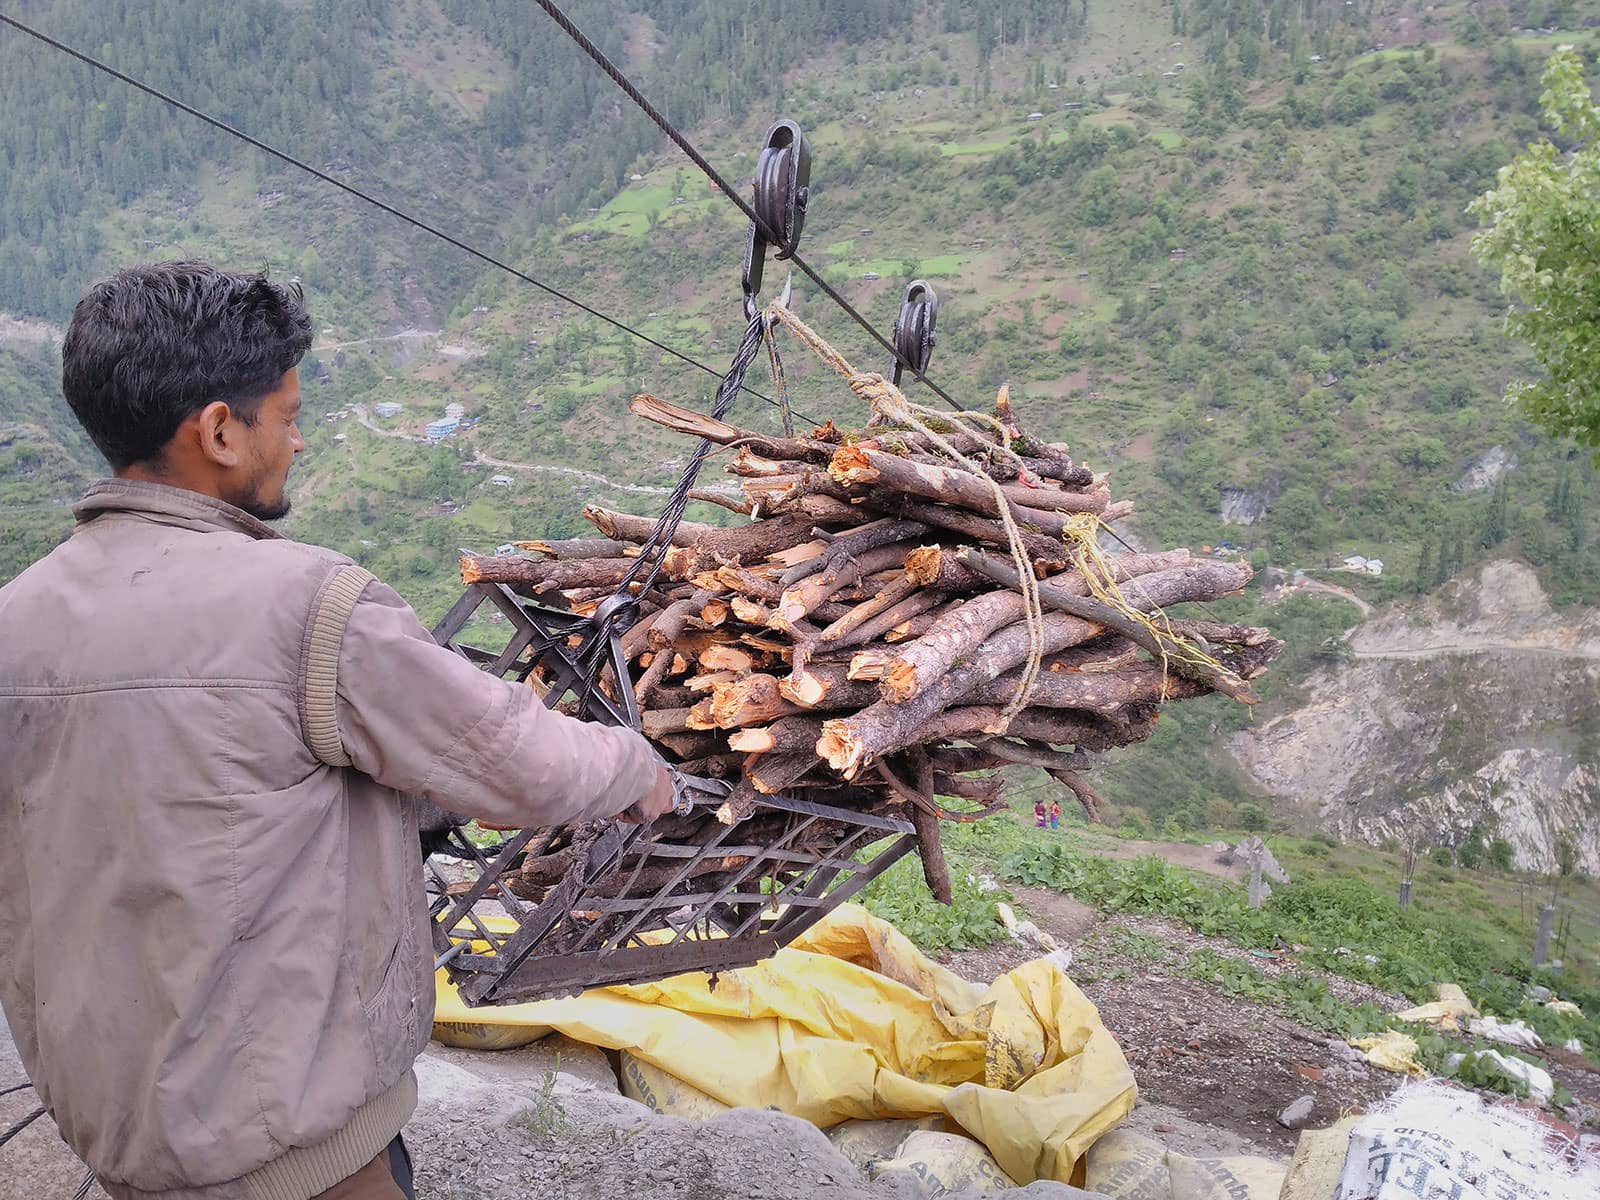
{"x": 1086, "y": 795}
{"x": 683, "y": 420}
{"x": 662, "y": 635}
{"x": 800, "y": 601}
{"x": 885, "y": 531}
{"x": 855, "y": 467}
{"x": 957, "y": 635}
{"x": 542, "y": 573}
{"x": 785, "y": 736}
{"x": 710, "y": 543}
{"x": 1047, "y": 553}
{"x": 571, "y": 548}
{"x": 1177, "y": 656}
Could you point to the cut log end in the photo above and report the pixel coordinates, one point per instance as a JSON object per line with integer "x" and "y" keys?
{"x": 751, "y": 741}
{"x": 841, "y": 747}
{"x": 869, "y": 664}
{"x": 899, "y": 683}
{"x": 791, "y": 608}
{"x": 922, "y": 565}
{"x": 700, "y": 716}
{"x": 850, "y": 465}
{"x": 804, "y": 689}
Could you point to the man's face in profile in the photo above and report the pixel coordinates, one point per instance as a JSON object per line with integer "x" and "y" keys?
{"x": 269, "y": 449}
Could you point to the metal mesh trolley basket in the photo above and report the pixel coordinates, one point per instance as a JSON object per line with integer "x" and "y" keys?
{"x": 604, "y": 902}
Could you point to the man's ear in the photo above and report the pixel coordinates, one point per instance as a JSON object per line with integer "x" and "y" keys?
{"x": 216, "y": 432}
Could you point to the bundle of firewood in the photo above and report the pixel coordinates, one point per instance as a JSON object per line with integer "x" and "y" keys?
{"x": 861, "y": 640}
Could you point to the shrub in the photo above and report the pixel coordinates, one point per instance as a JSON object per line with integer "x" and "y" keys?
{"x": 1442, "y": 856}
{"x": 1250, "y": 816}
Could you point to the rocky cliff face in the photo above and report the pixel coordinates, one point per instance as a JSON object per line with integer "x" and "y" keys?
{"x": 1480, "y": 706}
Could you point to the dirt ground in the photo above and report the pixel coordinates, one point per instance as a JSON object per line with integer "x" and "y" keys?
{"x": 1221, "y": 1062}
{"x": 1179, "y": 854}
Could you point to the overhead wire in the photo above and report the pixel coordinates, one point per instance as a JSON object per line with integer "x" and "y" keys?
{"x": 351, "y": 189}
{"x": 772, "y": 235}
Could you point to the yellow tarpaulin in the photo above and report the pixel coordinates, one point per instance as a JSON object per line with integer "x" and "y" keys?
{"x": 1392, "y": 1050}
{"x": 1449, "y": 1012}
{"x": 853, "y": 1022}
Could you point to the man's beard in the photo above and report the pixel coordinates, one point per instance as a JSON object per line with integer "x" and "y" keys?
{"x": 251, "y": 501}
{"x": 262, "y": 511}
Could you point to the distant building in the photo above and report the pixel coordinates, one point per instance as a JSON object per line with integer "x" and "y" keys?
{"x": 443, "y": 428}
{"x": 1355, "y": 562}
{"x": 1374, "y": 566}
{"x": 455, "y": 410}
{"x": 1036, "y": 116}
{"x": 388, "y": 409}
{"x": 339, "y": 437}
{"x": 501, "y": 480}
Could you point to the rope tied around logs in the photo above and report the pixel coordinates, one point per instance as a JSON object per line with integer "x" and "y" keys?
{"x": 888, "y": 403}
{"x": 1082, "y": 538}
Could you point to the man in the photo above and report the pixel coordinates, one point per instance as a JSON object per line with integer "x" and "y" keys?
{"x": 214, "y": 950}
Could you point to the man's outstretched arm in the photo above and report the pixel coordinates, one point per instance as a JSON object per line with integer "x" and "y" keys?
{"x": 421, "y": 719}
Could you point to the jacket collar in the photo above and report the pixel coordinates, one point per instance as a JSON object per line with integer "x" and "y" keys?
{"x": 168, "y": 506}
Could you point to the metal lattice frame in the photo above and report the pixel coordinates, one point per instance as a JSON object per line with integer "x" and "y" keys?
{"x": 597, "y": 925}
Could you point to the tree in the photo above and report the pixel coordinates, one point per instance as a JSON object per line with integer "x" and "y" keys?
{"x": 1500, "y": 856}
{"x": 1498, "y": 523}
{"x": 1566, "y": 855}
{"x": 1424, "y": 578}
{"x": 1541, "y": 217}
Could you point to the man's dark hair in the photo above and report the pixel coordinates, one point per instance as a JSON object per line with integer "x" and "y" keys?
{"x": 152, "y": 345}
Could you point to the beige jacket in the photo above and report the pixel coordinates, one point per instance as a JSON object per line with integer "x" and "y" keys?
{"x": 213, "y": 947}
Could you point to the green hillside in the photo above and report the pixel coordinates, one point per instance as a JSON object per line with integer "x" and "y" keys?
{"x": 1218, "y": 247}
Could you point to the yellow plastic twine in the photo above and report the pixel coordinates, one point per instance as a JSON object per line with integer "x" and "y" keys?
{"x": 888, "y": 402}
{"x": 1082, "y": 537}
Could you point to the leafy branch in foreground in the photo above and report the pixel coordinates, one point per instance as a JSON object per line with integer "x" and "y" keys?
{"x": 1543, "y": 233}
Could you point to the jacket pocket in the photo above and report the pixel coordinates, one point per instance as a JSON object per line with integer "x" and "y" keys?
{"x": 375, "y": 996}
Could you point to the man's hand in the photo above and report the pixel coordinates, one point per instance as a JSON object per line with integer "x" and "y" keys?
{"x": 659, "y": 800}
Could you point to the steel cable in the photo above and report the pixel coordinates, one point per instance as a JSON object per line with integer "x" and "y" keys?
{"x": 771, "y": 229}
